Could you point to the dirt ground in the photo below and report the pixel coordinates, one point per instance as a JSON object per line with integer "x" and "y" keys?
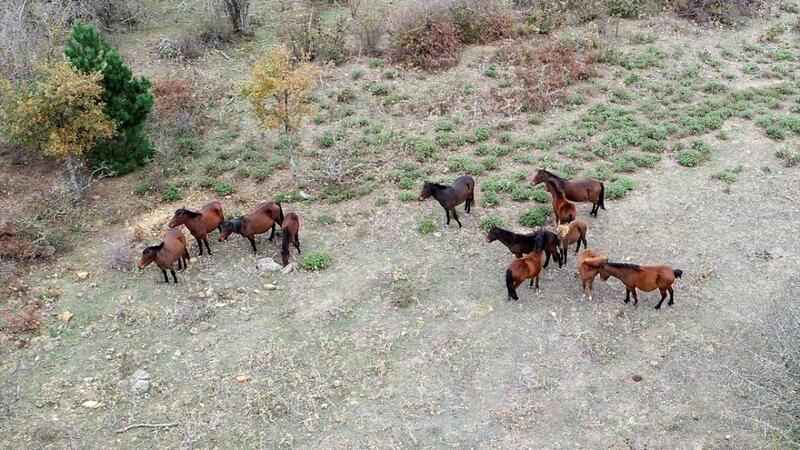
{"x": 407, "y": 340}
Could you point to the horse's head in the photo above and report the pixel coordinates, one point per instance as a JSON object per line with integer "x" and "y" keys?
{"x": 228, "y": 227}
{"x": 427, "y": 191}
{"x": 491, "y": 236}
{"x": 562, "y": 231}
{"x": 540, "y": 177}
{"x": 148, "y": 256}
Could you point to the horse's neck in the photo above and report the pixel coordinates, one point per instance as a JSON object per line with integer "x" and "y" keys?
{"x": 440, "y": 193}
{"x": 616, "y": 272}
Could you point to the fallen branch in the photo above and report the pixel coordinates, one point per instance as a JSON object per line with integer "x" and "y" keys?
{"x": 147, "y": 425}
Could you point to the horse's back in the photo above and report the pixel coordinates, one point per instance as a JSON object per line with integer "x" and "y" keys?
{"x": 464, "y": 183}
{"x": 174, "y": 241}
{"x": 291, "y": 223}
{"x": 666, "y": 276}
{"x": 582, "y": 189}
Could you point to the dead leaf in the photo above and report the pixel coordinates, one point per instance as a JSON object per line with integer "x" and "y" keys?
{"x": 243, "y": 378}
{"x": 82, "y": 275}
{"x": 66, "y": 316}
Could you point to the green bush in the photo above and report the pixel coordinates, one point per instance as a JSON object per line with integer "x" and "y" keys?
{"x": 316, "y": 261}
{"x": 463, "y": 164}
{"x": 128, "y": 101}
{"x": 535, "y": 217}
{"x": 490, "y": 199}
{"x": 491, "y": 221}
{"x": 489, "y": 163}
{"x": 326, "y": 220}
{"x": 407, "y": 196}
{"x": 618, "y": 188}
{"x": 423, "y": 148}
{"x": 482, "y": 134}
{"x": 522, "y": 193}
{"x": 427, "y": 225}
{"x": 491, "y": 71}
{"x": 497, "y": 185}
{"x": 790, "y": 158}
{"x": 222, "y": 188}
{"x": 698, "y": 153}
{"x": 171, "y": 193}
{"x": 540, "y": 196}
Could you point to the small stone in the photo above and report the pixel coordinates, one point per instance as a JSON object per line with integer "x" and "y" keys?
{"x": 91, "y": 404}
{"x": 65, "y": 316}
{"x": 654, "y": 363}
{"x": 82, "y": 275}
{"x": 288, "y": 269}
{"x": 243, "y": 378}
{"x": 636, "y": 378}
{"x": 140, "y": 382}
{"x": 267, "y": 265}
{"x": 304, "y": 195}
{"x": 728, "y": 437}
{"x": 270, "y": 287}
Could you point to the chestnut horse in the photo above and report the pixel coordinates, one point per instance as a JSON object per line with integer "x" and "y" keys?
{"x": 565, "y": 212}
{"x": 570, "y": 234}
{"x": 522, "y": 269}
{"x": 462, "y": 190}
{"x": 261, "y": 219}
{"x": 589, "y": 262}
{"x": 165, "y": 254}
{"x": 291, "y": 235}
{"x": 522, "y": 244}
{"x": 200, "y": 223}
{"x": 580, "y": 190}
{"x": 646, "y": 278}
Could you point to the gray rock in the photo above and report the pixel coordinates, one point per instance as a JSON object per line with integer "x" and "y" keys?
{"x": 140, "y": 382}
{"x": 268, "y": 265}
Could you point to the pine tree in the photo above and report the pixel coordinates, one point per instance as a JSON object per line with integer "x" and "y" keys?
{"x": 128, "y": 101}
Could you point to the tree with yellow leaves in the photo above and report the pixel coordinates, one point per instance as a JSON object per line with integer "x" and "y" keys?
{"x": 279, "y": 92}
{"x": 60, "y": 114}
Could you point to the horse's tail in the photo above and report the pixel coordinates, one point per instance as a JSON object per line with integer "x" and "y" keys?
{"x": 280, "y": 214}
{"x": 510, "y": 285}
{"x": 678, "y": 273}
{"x": 285, "y": 246}
{"x": 602, "y": 201}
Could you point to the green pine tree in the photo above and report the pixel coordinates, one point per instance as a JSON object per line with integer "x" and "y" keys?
{"x": 128, "y": 101}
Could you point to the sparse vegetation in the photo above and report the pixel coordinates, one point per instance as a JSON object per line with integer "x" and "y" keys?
{"x": 427, "y": 225}
{"x": 316, "y": 261}
{"x": 535, "y": 217}
{"x": 491, "y": 221}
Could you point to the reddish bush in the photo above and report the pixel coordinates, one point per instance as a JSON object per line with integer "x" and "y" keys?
{"x": 481, "y": 21}
{"x": 425, "y": 37}
{"x": 724, "y": 11}
{"x": 176, "y": 103}
{"x": 546, "y": 72}
{"x": 28, "y": 318}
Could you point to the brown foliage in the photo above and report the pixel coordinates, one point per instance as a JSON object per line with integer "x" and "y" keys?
{"x": 481, "y": 21}
{"x": 20, "y": 247}
{"x": 546, "y": 72}
{"x": 176, "y": 102}
{"x": 723, "y": 11}
{"x": 28, "y": 318}
{"x": 425, "y": 37}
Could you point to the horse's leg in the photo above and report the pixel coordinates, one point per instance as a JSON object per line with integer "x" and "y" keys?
{"x": 455, "y": 216}
{"x": 174, "y": 277}
{"x": 200, "y": 244}
{"x": 205, "y": 239}
{"x": 531, "y": 285}
{"x": 671, "y": 296}
{"x": 585, "y": 244}
{"x": 447, "y": 214}
{"x": 547, "y": 258}
{"x": 589, "y": 283}
{"x": 564, "y": 254}
{"x": 253, "y": 243}
{"x": 297, "y": 242}
{"x": 166, "y": 278}
{"x": 663, "y": 296}
{"x": 635, "y": 297}
{"x": 537, "y": 283}
{"x": 627, "y": 295}
{"x": 272, "y": 235}
{"x": 180, "y": 263}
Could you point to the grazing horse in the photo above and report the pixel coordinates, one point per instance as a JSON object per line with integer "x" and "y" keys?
{"x": 581, "y": 190}
{"x": 165, "y": 254}
{"x": 522, "y": 244}
{"x": 200, "y": 223}
{"x": 570, "y": 234}
{"x": 291, "y": 235}
{"x": 261, "y": 219}
{"x": 589, "y": 263}
{"x": 646, "y": 278}
{"x": 522, "y": 269}
{"x": 462, "y": 190}
{"x": 564, "y": 211}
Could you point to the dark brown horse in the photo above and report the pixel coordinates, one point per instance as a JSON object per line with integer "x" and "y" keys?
{"x": 580, "y": 190}
{"x": 570, "y": 234}
{"x": 200, "y": 223}
{"x": 172, "y": 249}
{"x": 291, "y": 235}
{"x": 462, "y": 190}
{"x": 564, "y": 211}
{"x": 261, "y": 219}
{"x": 646, "y": 278}
{"x": 589, "y": 262}
{"x": 522, "y": 269}
{"x": 522, "y": 244}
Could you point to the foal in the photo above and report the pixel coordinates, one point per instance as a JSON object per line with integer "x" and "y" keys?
{"x": 646, "y": 278}
{"x": 200, "y": 223}
{"x": 462, "y": 190}
{"x": 580, "y": 190}
{"x": 589, "y": 263}
{"x": 570, "y": 234}
{"x": 565, "y": 211}
{"x": 261, "y": 219}
{"x": 522, "y": 269}
{"x": 521, "y": 244}
{"x": 165, "y": 254}
{"x": 291, "y": 235}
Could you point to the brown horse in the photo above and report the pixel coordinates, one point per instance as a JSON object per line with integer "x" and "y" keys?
{"x": 261, "y": 219}
{"x": 200, "y": 223}
{"x": 570, "y": 234}
{"x": 522, "y": 244}
{"x": 165, "y": 254}
{"x": 462, "y": 190}
{"x": 565, "y": 212}
{"x": 522, "y": 269}
{"x": 646, "y": 278}
{"x": 581, "y": 190}
{"x": 291, "y": 235}
{"x": 589, "y": 263}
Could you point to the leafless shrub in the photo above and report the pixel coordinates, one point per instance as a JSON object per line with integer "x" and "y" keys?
{"x": 723, "y": 11}
{"x": 120, "y": 255}
{"x": 309, "y": 39}
{"x": 369, "y": 28}
{"x": 110, "y": 14}
{"x": 185, "y": 48}
{"x": 238, "y": 13}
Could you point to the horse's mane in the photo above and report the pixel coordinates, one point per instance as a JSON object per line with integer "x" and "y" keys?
{"x": 188, "y": 212}
{"x": 552, "y": 175}
{"x": 155, "y": 248}
{"x": 635, "y": 267}
{"x": 437, "y": 186}
{"x": 503, "y": 232}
